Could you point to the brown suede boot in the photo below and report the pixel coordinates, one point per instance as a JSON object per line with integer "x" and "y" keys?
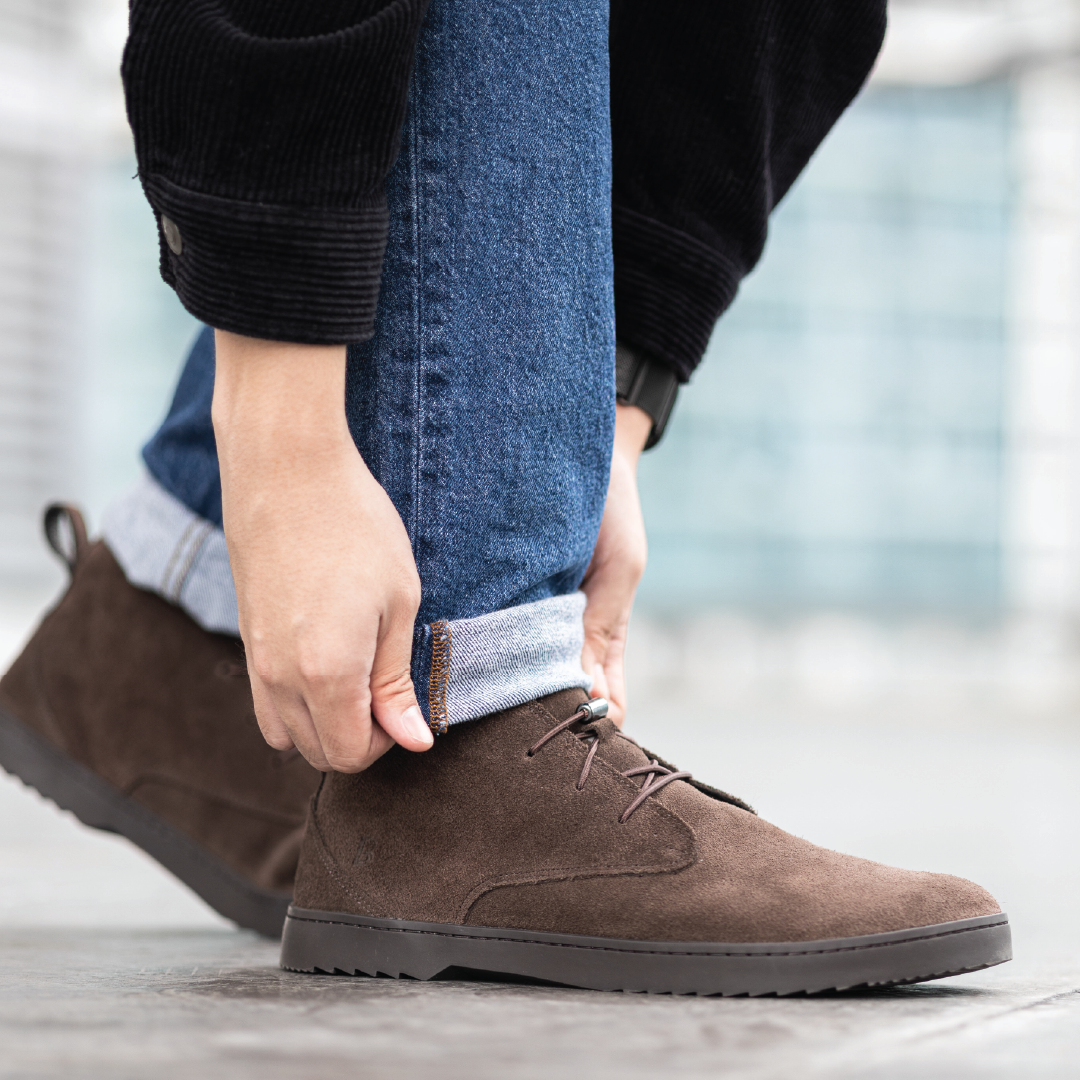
{"x": 540, "y": 842}
{"x": 124, "y": 711}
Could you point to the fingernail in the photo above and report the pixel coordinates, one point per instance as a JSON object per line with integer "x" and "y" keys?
{"x": 413, "y": 720}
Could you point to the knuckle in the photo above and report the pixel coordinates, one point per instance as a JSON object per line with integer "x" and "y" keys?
{"x": 387, "y": 687}
{"x": 261, "y": 662}
{"x": 345, "y": 762}
{"x": 409, "y": 596}
{"x": 322, "y": 668}
{"x": 313, "y": 671}
{"x": 274, "y": 734}
{"x": 408, "y": 588}
{"x": 316, "y": 760}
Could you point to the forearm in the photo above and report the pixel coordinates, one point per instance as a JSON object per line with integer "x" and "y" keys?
{"x": 279, "y": 420}
{"x": 326, "y": 584}
{"x": 273, "y": 399}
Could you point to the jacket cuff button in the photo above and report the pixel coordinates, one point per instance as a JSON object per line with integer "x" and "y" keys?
{"x": 172, "y": 235}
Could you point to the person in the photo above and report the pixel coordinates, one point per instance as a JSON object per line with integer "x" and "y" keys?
{"x": 458, "y": 258}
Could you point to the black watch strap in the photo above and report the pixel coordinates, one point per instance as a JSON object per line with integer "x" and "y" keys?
{"x": 648, "y": 384}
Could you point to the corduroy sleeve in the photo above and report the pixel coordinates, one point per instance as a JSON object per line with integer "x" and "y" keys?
{"x": 716, "y": 107}
{"x": 264, "y": 131}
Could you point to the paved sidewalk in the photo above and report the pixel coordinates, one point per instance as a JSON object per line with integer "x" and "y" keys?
{"x": 110, "y": 969}
{"x": 211, "y": 1003}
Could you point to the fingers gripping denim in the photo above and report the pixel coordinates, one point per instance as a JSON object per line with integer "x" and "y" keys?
{"x": 484, "y": 403}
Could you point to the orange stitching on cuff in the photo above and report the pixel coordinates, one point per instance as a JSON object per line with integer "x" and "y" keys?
{"x": 440, "y": 675}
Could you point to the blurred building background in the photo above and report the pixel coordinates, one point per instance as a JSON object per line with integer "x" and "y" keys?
{"x": 91, "y": 338}
{"x": 869, "y": 499}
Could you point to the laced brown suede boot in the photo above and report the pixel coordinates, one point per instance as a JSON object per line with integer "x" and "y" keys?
{"x": 542, "y": 843}
{"x": 126, "y": 712}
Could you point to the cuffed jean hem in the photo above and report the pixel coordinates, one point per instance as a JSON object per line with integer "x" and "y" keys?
{"x": 468, "y": 668}
{"x": 462, "y": 669}
{"x": 164, "y": 547}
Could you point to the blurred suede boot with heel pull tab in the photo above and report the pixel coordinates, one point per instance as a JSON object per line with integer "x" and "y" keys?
{"x": 126, "y": 712}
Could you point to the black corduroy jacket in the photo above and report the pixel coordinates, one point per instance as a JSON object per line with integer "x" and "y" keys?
{"x": 265, "y": 129}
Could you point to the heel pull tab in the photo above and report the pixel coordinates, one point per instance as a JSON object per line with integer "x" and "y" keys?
{"x": 65, "y": 531}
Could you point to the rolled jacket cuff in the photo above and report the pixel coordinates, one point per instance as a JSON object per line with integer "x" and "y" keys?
{"x": 282, "y": 273}
{"x": 670, "y": 289}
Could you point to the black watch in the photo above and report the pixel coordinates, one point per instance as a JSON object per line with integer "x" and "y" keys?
{"x": 648, "y": 384}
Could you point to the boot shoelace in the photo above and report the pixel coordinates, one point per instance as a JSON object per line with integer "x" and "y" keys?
{"x": 656, "y": 775}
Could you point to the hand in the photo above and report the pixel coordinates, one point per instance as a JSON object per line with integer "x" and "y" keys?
{"x": 325, "y": 577}
{"x": 617, "y": 564}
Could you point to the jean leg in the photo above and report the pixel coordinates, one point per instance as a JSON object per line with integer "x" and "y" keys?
{"x": 182, "y": 454}
{"x": 485, "y": 402}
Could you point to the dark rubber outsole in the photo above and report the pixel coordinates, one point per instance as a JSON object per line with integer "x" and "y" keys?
{"x": 331, "y": 942}
{"x": 101, "y": 806}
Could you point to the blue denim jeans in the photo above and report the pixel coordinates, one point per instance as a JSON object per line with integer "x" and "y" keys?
{"x": 484, "y": 404}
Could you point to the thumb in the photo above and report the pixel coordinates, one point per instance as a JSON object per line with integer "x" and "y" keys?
{"x": 600, "y": 683}
{"x": 393, "y": 700}
{"x": 589, "y": 659}
{"x": 594, "y": 650}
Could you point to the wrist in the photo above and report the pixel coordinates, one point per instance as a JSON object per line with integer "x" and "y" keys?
{"x": 642, "y": 381}
{"x": 277, "y": 398}
{"x": 632, "y": 429}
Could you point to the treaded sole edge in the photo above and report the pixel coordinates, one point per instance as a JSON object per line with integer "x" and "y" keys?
{"x": 336, "y": 943}
{"x": 98, "y": 804}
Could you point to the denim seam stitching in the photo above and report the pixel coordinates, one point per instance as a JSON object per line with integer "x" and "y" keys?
{"x": 440, "y": 676}
{"x": 174, "y": 558}
{"x": 196, "y": 547}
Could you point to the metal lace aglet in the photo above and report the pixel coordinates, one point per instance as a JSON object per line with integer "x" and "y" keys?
{"x": 595, "y": 708}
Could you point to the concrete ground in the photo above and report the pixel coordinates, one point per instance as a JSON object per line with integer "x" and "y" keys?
{"x": 109, "y": 968}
